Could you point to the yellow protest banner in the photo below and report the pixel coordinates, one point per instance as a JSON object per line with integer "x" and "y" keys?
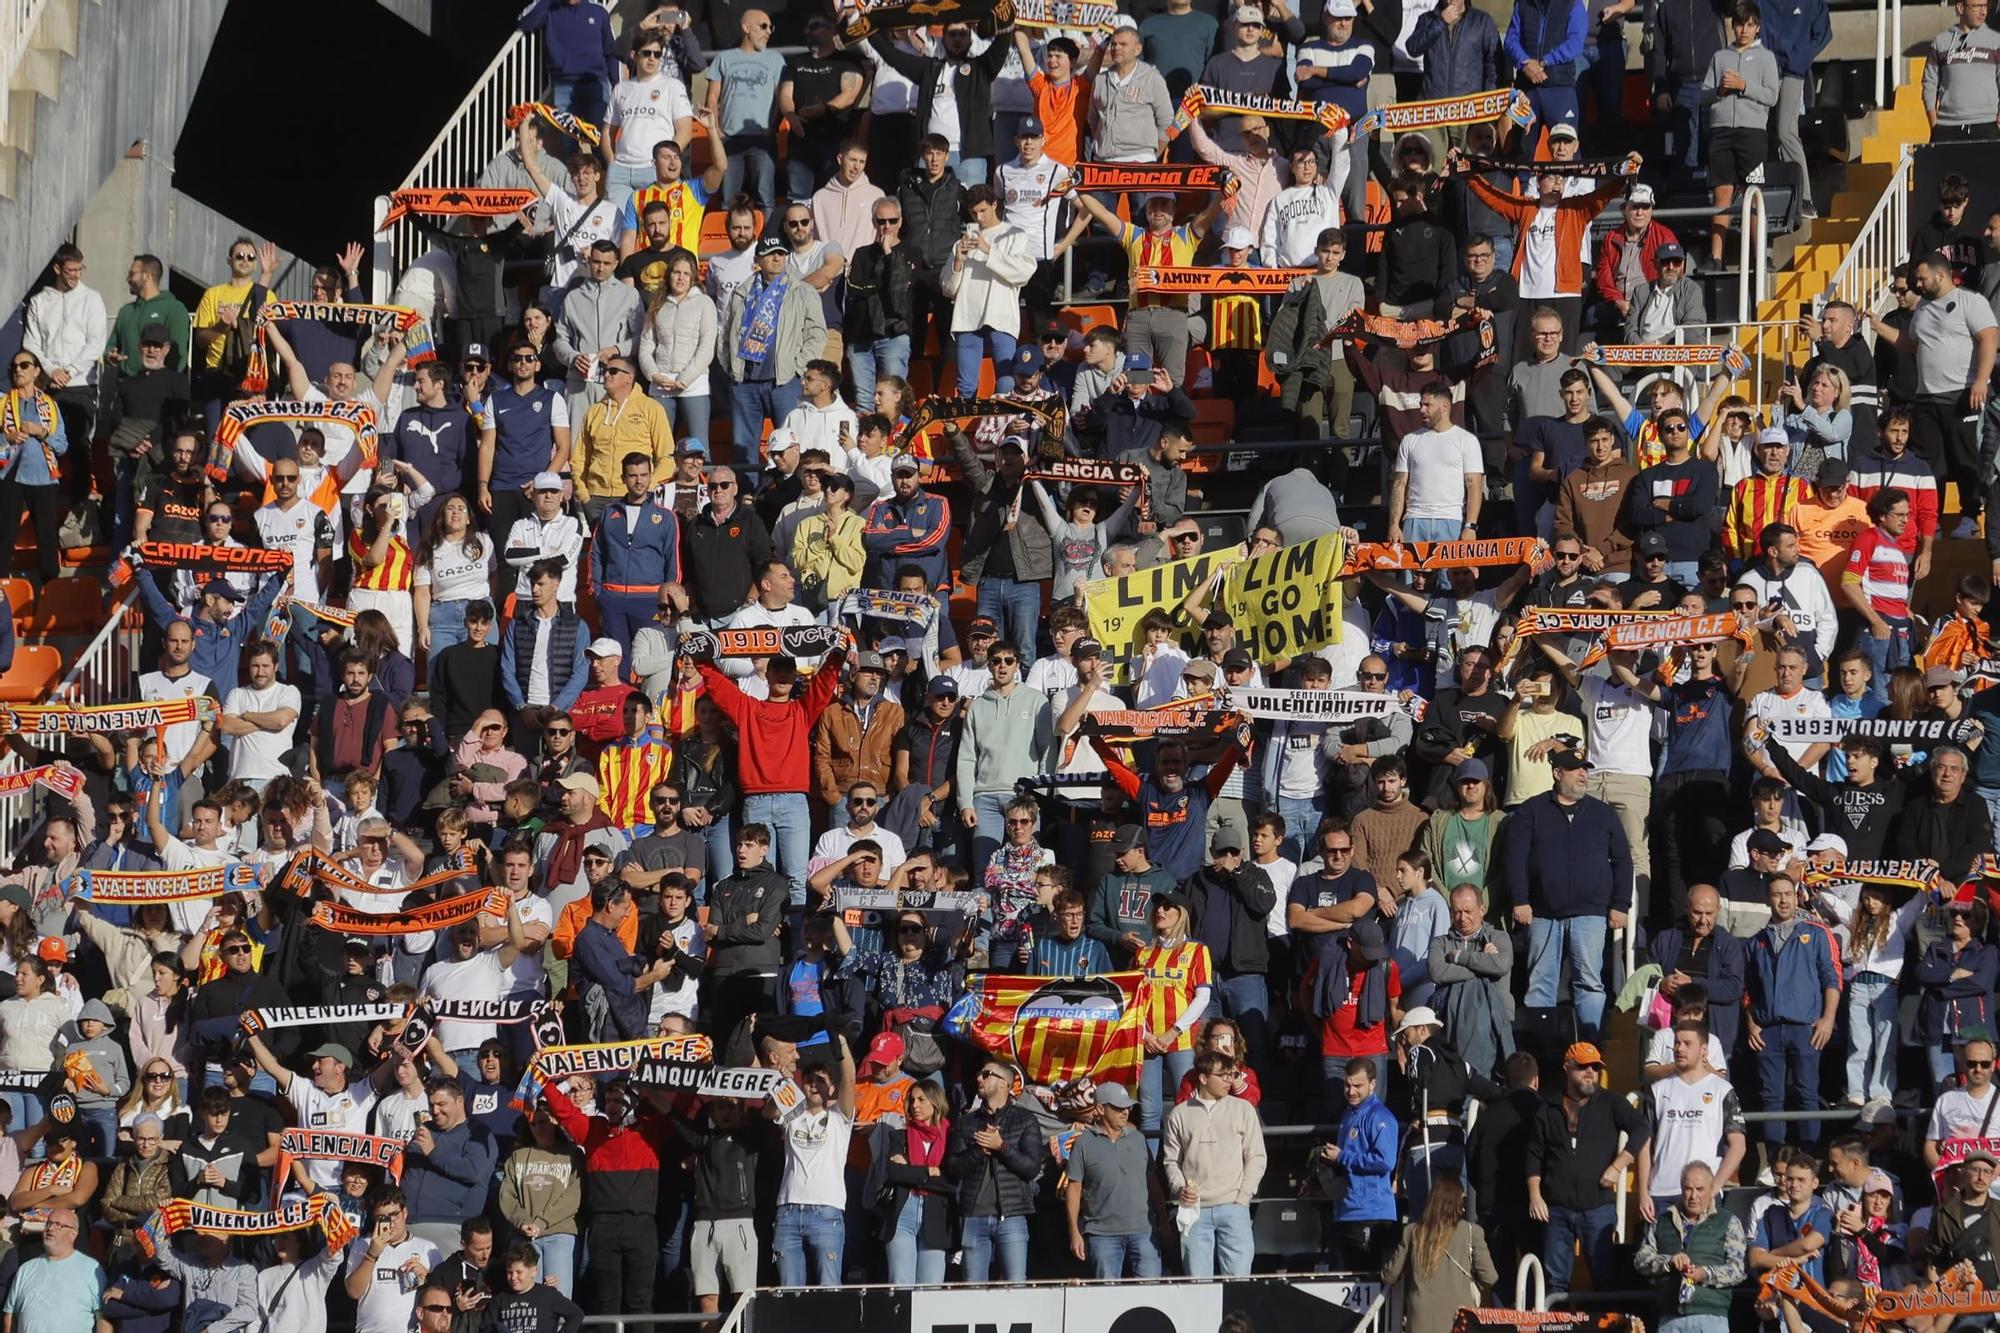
{"x": 1287, "y": 602}
{"x": 1116, "y": 606}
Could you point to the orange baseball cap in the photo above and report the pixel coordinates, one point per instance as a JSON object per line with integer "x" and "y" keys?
{"x": 52, "y": 950}
{"x": 1582, "y": 1055}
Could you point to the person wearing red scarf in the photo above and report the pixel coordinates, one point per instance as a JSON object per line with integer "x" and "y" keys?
{"x": 909, "y": 1160}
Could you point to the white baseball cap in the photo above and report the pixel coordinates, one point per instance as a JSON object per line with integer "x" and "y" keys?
{"x": 604, "y": 648}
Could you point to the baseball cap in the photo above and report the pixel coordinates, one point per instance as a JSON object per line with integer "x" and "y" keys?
{"x": 1113, "y": 1095}
{"x": 1583, "y": 1055}
{"x": 1028, "y": 359}
{"x": 1217, "y": 619}
{"x": 1126, "y": 838}
{"x": 18, "y": 896}
{"x": 1832, "y": 474}
{"x": 1050, "y": 329}
{"x": 1237, "y": 238}
{"x": 1940, "y": 675}
{"x": 1170, "y": 898}
{"x": 1641, "y": 196}
{"x": 884, "y": 1052}
{"x": 837, "y": 481}
{"x": 1236, "y": 659}
{"x": 52, "y": 950}
{"x": 1774, "y": 435}
{"x": 772, "y": 245}
{"x": 693, "y": 447}
{"x": 1979, "y": 1155}
{"x": 1472, "y": 770}
{"x": 1018, "y": 443}
{"x": 1227, "y": 838}
{"x": 1200, "y": 668}
{"x": 334, "y": 1050}
{"x": 1030, "y": 127}
{"x": 905, "y": 463}
{"x": 1340, "y": 9}
{"x": 1124, "y": 21}
{"x": 943, "y": 687}
{"x": 1767, "y": 842}
{"x": 547, "y": 481}
{"x": 1138, "y": 363}
{"x": 475, "y": 352}
{"x": 221, "y": 588}
{"x": 1671, "y": 252}
{"x": 869, "y": 661}
{"x": 1567, "y": 761}
{"x": 604, "y": 648}
{"x": 1562, "y": 129}
{"x": 1878, "y": 1181}
{"x": 983, "y": 625}
{"x": 781, "y": 440}
{"x": 1085, "y": 647}
{"x": 1828, "y": 842}
{"x": 1651, "y": 542}
{"x": 888, "y": 646}
{"x": 156, "y": 334}
{"x": 582, "y": 782}
{"x": 1248, "y": 14}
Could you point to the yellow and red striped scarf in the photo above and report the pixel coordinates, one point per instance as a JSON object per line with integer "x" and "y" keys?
{"x": 12, "y": 418}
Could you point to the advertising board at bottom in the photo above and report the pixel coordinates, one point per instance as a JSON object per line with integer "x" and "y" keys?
{"x": 1327, "y": 1303}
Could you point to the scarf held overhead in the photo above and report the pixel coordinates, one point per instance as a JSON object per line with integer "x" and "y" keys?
{"x": 1498, "y": 552}
{"x": 574, "y": 126}
{"x": 923, "y": 14}
{"x": 1150, "y": 178}
{"x": 1407, "y": 334}
{"x": 200, "y": 558}
{"x": 1438, "y": 112}
{"x": 61, "y": 779}
{"x": 239, "y": 417}
{"x": 375, "y": 318}
{"x": 1079, "y": 15}
{"x": 321, "y": 1015}
{"x": 1670, "y": 354}
{"x": 1576, "y": 168}
{"x": 318, "y": 1210}
{"x": 615, "y": 1057}
{"x": 764, "y": 641}
{"x": 1832, "y": 730}
{"x": 1914, "y": 875}
{"x": 1052, "y": 413}
{"x": 1202, "y": 97}
{"x": 164, "y": 886}
{"x": 440, "y": 915}
{"x": 1087, "y": 472}
{"x": 452, "y": 201}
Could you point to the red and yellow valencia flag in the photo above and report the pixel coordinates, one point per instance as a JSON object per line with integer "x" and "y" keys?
{"x": 1059, "y": 1028}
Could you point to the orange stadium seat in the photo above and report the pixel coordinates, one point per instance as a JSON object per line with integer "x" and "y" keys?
{"x": 36, "y": 668}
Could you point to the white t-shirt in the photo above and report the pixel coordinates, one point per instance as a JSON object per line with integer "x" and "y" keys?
{"x": 188, "y": 915}
{"x": 1538, "y": 260}
{"x": 389, "y": 1305}
{"x": 154, "y": 687}
{"x": 396, "y": 1113}
{"x": 1281, "y": 873}
{"x": 527, "y": 972}
{"x": 1030, "y": 199}
{"x": 1618, "y": 726}
{"x": 1958, "y": 1115}
{"x": 476, "y": 978}
{"x": 839, "y": 840}
{"x": 344, "y": 1112}
{"x": 261, "y": 754}
{"x": 1689, "y": 1122}
{"x": 1437, "y": 463}
{"x": 644, "y": 110}
{"x": 1660, "y": 1050}
{"x": 294, "y": 530}
{"x": 454, "y": 576}
{"x": 1301, "y": 762}
{"x": 391, "y": 875}
{"x": 816, "y": 1159}
{"x": 1768, "y": 706}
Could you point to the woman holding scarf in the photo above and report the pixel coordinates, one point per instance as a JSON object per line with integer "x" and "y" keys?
{"x": 32, "y": 438}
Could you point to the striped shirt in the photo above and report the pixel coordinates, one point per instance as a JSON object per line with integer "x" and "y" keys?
{"x": 1174, "y": 249}
{"x": 1173, "y": 975}
{"x": 1906, "y": 472}
{"x": 1877, "y": 563}
{"x": 627, "y": 771}
{"x": 1079, "y": 957}
{"x": 685, "y": 202}
{"x": 394, "y": 574}
{"x": 1756, "y": 502}
{"x": 1236, "y": 322}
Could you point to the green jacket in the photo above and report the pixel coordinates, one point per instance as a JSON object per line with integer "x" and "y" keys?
{"x": 1716, "y": 1243}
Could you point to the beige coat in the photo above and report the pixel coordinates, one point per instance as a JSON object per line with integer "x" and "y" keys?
{"x": 1431, "y": 1301}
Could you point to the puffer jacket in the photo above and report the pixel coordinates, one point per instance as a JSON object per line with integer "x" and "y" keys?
{"x": 844, "y": 752}
{"x": 1028, "y": 538}
{"x": 1551, "y": 31}
{"x": 1014, "y": 1167}
{"x": 1463, "y": 58}
{"x": 679, "y": 340}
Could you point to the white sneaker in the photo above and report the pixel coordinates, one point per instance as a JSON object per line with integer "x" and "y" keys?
{"x": 1967, "y": 530}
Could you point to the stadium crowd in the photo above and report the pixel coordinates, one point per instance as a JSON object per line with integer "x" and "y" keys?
{"x": 1383, "y": 959}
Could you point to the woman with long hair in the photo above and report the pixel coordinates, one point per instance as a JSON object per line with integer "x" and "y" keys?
{"x": 915, "y": 1218}
{"x": 1224, "y": 1035}
{"x": 1956, "y": 976}
{"x": 536, "y": 333}
{"x": 159, "y": 1030}
{"x": 454, "y": 570}
{"x": 129, "y": 950}
{"x": 155, "y": 1092}
{"x": 1442, "y": 1261}
{"x": 18, "y": 936}
{"x": 677, "y": 345}
{"x": 32, "y": 438}
{"x": 826, "y": 547}
{"x": 1459, "y": 838}
{"x": 1878, "y": 937}
{"x": 395, "y": 675}
{"x": 379, "y": 546}
{"x": 705, "y": 769}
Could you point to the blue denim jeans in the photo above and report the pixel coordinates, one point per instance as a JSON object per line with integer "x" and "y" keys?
{"x": 687, "y": 413}
{"x": 558, "y": 1254}
{"x": 1871, "y": 1037}
{"x": 1568, "y": 1227}
{"x": 447, "y": 625}
{"x": 583, "y": 95}
{"x": 969, "y": 170}
{"x": 990, "y": 807}
{"x": 809, "y": 1229}
{"x": 1684, "y": 127}
{"x": 1695, "y": 1323}
{"x": 1301, "y": 815}
{"x": 790, "y": 822}
{"x": 1110, "y": 1256}
{"x": 1247, "y": 999}
{"x": 1687, "y": 573}
{"x": 751, "y": 157}
{"x": 1219, "y": 1242}
{"x": 1159, "y": 1084}
{"x": 983, "y": 1239}
{"x": 751, "y": 404}
{"x": 1579, "y": 942}
{"x": 973, "y": 347}
{"x": 1885, "y": 655}
{"x": 909, "y": 1263}
{"x": 871, "y": 361}
{"x": 721, "y": 857}
{"x": 1016, "y": 607}
{"x": 620, "y": 181}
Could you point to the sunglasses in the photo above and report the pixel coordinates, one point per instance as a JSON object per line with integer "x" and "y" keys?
{"x": 1569, "y": 555}
{"x": 1979, "y": 1064}
{"x": 429, "y": 1308}
{"x": 284, "y": 476}
{"x": 1003, "y": 661}
{"x": 236, "y": 949}
{"x": 1020, "y": 823}
{"x": 1674, "y": 427}
{"x": 27, "y": 365}
{"x": 1338, "y": 851}
{"x": 887, "y": 222}
{"x": 861, "y": 800}
{"x": 165, "y": 1076}
{"x": 650, "y": 53}
{"x": 616, "y": 370}
{"x": 549, "y": 731}
{"x": 1187, "y": 536}
{"x": 243, "y": 256}
{"x": 722, "y": 485}
{"x": 526, "y": 358}
{"x": 1372, "y": 675}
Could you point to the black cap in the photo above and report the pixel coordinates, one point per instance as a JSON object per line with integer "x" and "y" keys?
{"x": 1564, "y": 761}
{"x": 156, "y": 335}
{"x": 1767, "y": 842}
{"x": 1171, "y": 898}
{"x": 1217, "y": 619}
{"x": 1085, "y": 647}
{"x": 1832, "y": 475}
{"x": 1028, "y": 127}
{"x": 772, "y": 245}
{"x": 1126, "y": 838}
{"x": 1236, "y": 660}
{"x": 1651, "y": 542}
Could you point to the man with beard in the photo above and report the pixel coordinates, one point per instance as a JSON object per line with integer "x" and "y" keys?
{"x": 170, "y": 509}
{"x": 1575, "y": 1160}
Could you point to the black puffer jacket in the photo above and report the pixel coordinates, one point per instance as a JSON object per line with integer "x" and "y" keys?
{"x": 1251, "y": 898}
{"x": 933, "y": 216}
{"x": 1014, "y": 1167}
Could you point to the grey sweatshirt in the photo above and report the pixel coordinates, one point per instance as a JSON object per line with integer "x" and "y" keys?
{"x": 1962, "y": 76}
{"x": 1749, "y": 109}
{"x": 1126, "y": 122}
{"x": 597, "y": 315}
{"x": 1005, "y": 740}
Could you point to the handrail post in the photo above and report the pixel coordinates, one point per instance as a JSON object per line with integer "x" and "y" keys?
{"x": 1530, "y": 1263}
{"x": 379, "y": 253}
{"x": 1751, "y": 240}
{"x": 1896, "y": 45}
{"x": 1881, "y": 64}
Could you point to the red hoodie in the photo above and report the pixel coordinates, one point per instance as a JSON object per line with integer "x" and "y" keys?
{"x": 774, "y": 740}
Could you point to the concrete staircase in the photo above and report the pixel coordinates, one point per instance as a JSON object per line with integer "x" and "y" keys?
{"x": 91, "y": 84}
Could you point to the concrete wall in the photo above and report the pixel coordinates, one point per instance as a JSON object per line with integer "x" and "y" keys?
{"x": 131, "y": 81}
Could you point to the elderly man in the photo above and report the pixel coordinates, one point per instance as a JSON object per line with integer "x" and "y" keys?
{"x": 1470, "y": 966}
{"x": 1697, "y": 1254}
{"x": 1697, "y": 951}
{"x": 63, "y": 1289}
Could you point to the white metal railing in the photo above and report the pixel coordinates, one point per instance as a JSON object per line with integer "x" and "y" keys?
{"x": 1748, "y": 337}
{"x": 19, "y": 811}
{"x": 1888, "y": 50}
{"x": 107, "y": 670}
{"x": 1753, "y": 273}
{"x": 1530, "y": 1264}
{"x": 475, "y": 134}
{"x": 17, "y": 28}
{"x": 1879, "y": 248}
{"x": 1371, "y": 1320}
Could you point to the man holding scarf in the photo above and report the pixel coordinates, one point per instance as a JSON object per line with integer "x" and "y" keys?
{"x": 772, "y": 327}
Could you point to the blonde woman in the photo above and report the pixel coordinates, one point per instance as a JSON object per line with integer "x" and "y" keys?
{"x": 826, "y": 548}
{"x": 155, "y": 1092}
{"x": 676, "y": 346}
{"x": 1442, "y": 1261}
{"x": 1817, "y": 414}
